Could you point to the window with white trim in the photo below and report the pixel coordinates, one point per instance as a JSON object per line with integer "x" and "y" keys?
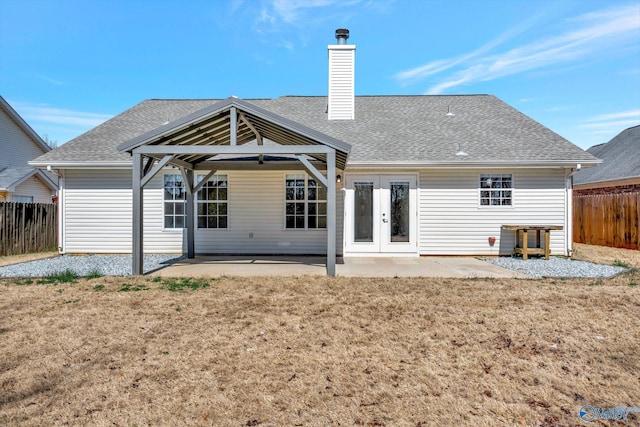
{"x": 496, "y": 189}
{"x": 175, "y": 195}
{"x": 212, "y": 203}
{"x": 305, "y": 203}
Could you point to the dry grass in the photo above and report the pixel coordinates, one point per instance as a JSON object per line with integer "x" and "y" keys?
{"x": 16, "y": 259}
{"x": 318, "y": 351}
{"x": 606, "y": 255}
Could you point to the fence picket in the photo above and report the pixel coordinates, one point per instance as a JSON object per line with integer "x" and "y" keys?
{"x": 607, "y": 219}
{"x": 27, "y": 227}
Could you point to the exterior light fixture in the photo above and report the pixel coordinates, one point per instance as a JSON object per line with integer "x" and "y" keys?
{"x": 338, "y": 178}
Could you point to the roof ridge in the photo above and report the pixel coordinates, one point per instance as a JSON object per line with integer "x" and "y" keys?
{"x": 388, "y": 96}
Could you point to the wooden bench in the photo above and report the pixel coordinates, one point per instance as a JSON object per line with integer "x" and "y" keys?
{"x": 525, "y": 250}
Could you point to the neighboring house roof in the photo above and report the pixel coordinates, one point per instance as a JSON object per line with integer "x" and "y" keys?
{"x": 620, "y": 159}
{"x": 23, "y": 125}
{"x": 10, "y": 178}
{"x": 393, "y": 130}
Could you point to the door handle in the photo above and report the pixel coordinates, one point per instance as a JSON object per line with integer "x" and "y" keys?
{"x": 385, "y": 220}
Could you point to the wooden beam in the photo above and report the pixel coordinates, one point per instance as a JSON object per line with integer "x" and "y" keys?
{"x": 147, "y": 166}
{"x": 188, "y": 181}
{"x": 137, "y": 243}
{"x": 230, "y": 165}
{"x": 238, "y": 149}
{"x": 312, "y": 170}
{"x": 331, "y": 213}
{"x": 190, "y": 214}
{"x": 157, "y": 168}
{"x": 199, "y": 185}
{"x": 250, "y": 126}
{"x": 183, "y": 164}
{"x": 233, "y": 126}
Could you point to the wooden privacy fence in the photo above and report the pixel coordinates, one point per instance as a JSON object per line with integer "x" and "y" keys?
{"x": 607, "y": 219}
{"x": 28, "y": 227}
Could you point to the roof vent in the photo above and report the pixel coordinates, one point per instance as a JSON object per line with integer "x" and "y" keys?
{"x": 449, "y": 113}
{"x": 342, "y": 34}
{"x": 459, "y": 151}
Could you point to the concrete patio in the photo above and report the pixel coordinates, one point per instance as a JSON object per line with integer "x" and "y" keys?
{"x": 214, "y": 266}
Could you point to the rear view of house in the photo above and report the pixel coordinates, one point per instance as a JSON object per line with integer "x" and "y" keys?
{"x": 19, "y": 144}
{"x": 336, "y": 175}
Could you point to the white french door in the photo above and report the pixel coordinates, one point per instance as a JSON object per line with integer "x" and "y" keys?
{"x": 380, "y": 214}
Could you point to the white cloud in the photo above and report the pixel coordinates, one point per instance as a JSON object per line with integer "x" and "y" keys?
{"x": 49, "y": 79}
{"x": 612, "y": 123}
{"x": 419, "y": 73}
{"x": 291, "y": 12}
{"x": 297, "y": 17}
{"x": 59, "y": 116}
{"x": 614, "y": 116}
{"x": 591, "y": 34}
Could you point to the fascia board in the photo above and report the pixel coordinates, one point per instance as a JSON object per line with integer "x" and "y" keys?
{"x": 474, "y": 165}
{"x": 81, "y": 165}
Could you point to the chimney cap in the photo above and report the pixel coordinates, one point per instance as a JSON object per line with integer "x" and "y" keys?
{"x": 342, "y": 34}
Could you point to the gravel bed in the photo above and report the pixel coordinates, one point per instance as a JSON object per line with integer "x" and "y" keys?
{"x": 556, "y": 267}
{"x": 107, "y": 265}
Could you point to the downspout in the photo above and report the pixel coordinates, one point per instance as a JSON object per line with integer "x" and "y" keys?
{"x": 569, "y": 208}
{"x": 61, "y": 216}
{"x": 61, "y": 210}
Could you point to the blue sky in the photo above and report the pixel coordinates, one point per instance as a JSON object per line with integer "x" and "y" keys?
{"x": 574, "y": 66}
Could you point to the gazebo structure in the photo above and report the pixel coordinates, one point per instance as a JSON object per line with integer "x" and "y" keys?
{"x": 231, "y": 134}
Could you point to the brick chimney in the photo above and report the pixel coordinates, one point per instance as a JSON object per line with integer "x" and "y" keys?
{"x": 341, "y": 78}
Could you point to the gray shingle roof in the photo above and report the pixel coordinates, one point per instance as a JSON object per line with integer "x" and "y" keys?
{"x": 620, "y": 159}
{"x": 413, "y": 129}
{"x": 10, "y": 176}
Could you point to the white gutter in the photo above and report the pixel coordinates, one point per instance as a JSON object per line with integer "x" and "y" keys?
{"x": 470, "y": 165}
{"x": 81, "y": 165}
{"x": 568, "y": 206}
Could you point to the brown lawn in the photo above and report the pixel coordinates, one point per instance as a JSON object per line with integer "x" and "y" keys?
{"x": 318, "y": 351}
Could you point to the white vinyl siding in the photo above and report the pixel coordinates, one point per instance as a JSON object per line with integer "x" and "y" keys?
{"x": 98, "y": 217}
{"x": 257, "y": 220}
{"x": 17, "y": 147}
{"x": 341, "y": 98}
{"x": 35, "y": 188}
{"x": 98, "y": 214}
{"x": 452, "y": 222}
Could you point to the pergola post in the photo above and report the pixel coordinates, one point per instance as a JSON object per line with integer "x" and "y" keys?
{"x": 331, "y": 213}
{"x": 191, "y": 253}
{"x": 137, "y": 267}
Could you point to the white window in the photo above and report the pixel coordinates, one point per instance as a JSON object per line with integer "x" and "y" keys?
{"x": 212, "y": 203}
{"x": 175, "y": 195}
{"x": 305, "y": 203}
{"x": 496, "y": 190}
{"x": 22, "y": 199}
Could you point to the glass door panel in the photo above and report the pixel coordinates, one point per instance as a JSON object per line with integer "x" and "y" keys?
{"x": 363, "y": 211}
{"x": 399, "y": 211}
{"x": 399, "y": 214}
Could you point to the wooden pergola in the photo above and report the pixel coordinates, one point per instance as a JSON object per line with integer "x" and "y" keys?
{"x": 212, "y": 139}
